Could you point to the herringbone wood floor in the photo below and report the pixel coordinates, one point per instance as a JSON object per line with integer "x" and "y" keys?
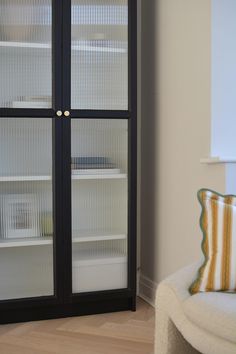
{"x": 114, "y": 333}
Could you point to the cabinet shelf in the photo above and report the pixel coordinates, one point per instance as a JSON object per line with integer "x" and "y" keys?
{"x": 74, "y": 177}
{"x": 91, "y": 236}
{"x": 25, "y": 242}
{"x": 80, "y": 237}
{"x": 24, "y": 178}
{"x": 100, "y": 176}
{"x": 75, "y": 47}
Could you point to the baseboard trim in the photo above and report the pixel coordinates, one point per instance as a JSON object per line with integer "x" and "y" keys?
{"x": 147, "y": 289}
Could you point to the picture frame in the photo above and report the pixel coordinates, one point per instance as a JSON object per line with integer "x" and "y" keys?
{"x": 19, "y": 216}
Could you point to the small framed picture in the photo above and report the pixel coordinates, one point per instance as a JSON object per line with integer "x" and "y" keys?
{"x": 19, "y": 216}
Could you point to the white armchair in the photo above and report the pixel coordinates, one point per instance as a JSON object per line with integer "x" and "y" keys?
{"x": 202, "y": 323}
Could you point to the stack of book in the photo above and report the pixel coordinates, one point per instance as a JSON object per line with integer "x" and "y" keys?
{"x": 92, "y": 165}
{"x": 33, "y": 102}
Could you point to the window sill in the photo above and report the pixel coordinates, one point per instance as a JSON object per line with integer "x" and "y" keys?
{"x": 217, "y": 160}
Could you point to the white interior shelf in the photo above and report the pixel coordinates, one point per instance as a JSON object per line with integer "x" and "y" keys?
{"x": 100, "y": 176}
{"x": 85, "y": 236}
{"x": 90, "y": 236}
{"x": 24, "y": 178}
{"x": 25, "y": 242}
{"x": 29, "y": 45}
{"x": 74, "y": 47}
{"x": 74, "y": 177}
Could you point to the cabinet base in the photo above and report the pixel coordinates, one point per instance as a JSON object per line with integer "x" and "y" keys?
{"x": 67, "y": 310}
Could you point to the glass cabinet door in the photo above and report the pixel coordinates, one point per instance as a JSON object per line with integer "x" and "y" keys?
{"x": 25, "y": 53}
{"x": 99, "y": 204}
{"x": 99, "y": 55}
{"x": 26, "y": 222}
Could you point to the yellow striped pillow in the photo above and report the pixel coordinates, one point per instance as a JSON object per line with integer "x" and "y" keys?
{"x": 218, "y": 224}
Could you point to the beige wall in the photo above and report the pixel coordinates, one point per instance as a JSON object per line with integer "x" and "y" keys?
{"x": 176, "y": 118}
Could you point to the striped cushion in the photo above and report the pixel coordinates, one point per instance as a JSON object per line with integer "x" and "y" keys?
{"x": 218, "y": 224}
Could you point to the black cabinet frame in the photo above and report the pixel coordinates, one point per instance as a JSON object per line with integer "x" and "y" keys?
{"x": 63, "y": 303}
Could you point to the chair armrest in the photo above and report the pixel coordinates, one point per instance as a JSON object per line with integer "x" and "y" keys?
{"x": 180, "y": 281}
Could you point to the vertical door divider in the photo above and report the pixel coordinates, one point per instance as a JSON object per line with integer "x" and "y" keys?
{"x": 57, "y": 94}
{"x": 66, "y": 139}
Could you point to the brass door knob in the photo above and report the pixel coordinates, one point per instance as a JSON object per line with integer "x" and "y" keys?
{"x": 66, "y": 113}
{"x": 59, "y": 113}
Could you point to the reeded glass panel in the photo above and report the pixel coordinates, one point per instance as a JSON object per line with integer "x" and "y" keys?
{"x": 99, "y": 204}
{"x": 25, "y": 53}
{"x": 99, "y": 54}
{"x": 26, "y": 221}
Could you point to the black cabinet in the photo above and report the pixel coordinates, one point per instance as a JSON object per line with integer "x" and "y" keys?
{"x": 67, "y": 157}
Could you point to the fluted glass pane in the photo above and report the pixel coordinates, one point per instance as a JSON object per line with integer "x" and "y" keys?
{"x": 25, "y": 53}
{"x": 99, "y": 204}
{"x": 100, "y": 54}
{"x": 26, "y": 222}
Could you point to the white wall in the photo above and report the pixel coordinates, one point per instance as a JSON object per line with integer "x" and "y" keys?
{"x": 176, "y": 120}
{"x": 224, "y": 86}
{"x": 223, "y": 78}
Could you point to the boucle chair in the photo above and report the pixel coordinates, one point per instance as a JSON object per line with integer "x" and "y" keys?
{"x": 202, "y": 323}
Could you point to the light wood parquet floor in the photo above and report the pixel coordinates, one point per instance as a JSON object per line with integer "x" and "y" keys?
{"x": 114, "y": 333}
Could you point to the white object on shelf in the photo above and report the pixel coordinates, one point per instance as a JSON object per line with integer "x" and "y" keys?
{"x": 19, "y": 216}
{"x": 31, "y": 104}
{"x": 95, "y": 273}
{"x": 25, "y": 242}
{"x": 88, "y": 258}
{"x": 91, "y": 236}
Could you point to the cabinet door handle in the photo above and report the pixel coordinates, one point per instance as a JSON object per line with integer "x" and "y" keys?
{"x": 59, "y": 113}
{"x": 66, "y": 113}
